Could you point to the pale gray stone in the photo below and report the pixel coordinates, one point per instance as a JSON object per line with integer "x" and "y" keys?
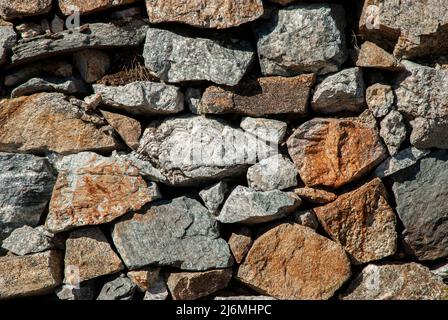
{"x": 214, "y": 196}
{"x": 26, "y": 184}
{"x": 402, "y": 160}
{"x": 180, "y": 233}
{"x": 121, "y": 288}
{"x": 268, "y": 130}
{"x": 145, "y": 168}
{"x": 192, "y": 150}
{"x": 343, "y": 91}
{"x": 288, "y": 44}
{"x": 207, "y": 59}
{"x": 142, "y": 98}
{"x": 85, "y": 291}
{"x": 274, "y": 173}
{"x": 26, "y": 240}
{"x": 68, "y": 86}
{"x": 380, "y": 99}
{"x": 393, "y": 131}
{"x": 247, "y": 206}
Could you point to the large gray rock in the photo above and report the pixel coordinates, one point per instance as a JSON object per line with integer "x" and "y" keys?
{"x": 393, "y": 131}
{"x": 177, "y": 57}
{"x": 274, "y": 173}
{"x": 408, "y": 281}
{"x": 68, "y": 86}
{"x": 121, "y": 288}
{"x": 180, "y": 233}
{"x": 189, "y": 150}
{"x": 343, "y": 91}
{"x": 404, "y": 159}
{"x": 91, "y": 36}
{"x": 248, "y": 206}
{"x": 26, "y": 240}
{"x": 142, "y": 98}
{"x": 421, "y": 96}
{"x": 265, "y": 129}
{"x": 8, "y": 38}
{"x": 302, "y": 38}
{"x": 26, "y": 183}
{"x": 420, "y": 192}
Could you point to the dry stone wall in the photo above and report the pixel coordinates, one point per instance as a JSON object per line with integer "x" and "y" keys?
{"x": 223, "y": 149}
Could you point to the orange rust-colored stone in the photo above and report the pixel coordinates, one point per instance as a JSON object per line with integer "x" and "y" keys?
{"x": 90, "y": 6}
{"x": 372, "y": 56}
{"x": 129, "y": 129}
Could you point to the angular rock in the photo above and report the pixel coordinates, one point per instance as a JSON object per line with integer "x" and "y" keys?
{"x": 91, "y": 36}
{"x": 393, "y": 131}
{"x": 121, "y": 288}
{"x": 195, "y": 285}
{"x": 144, "y": 279}
{"x": 260, "y": 97}
{"x": 372, "y": 56}
{"x": 86, "y": 291}
{"x": 274, "y": 173}
{"x": 86, "y": 7}
{"x": 343, "y": 91}
{"x": 208, "y": 59}
{"x": 129, "y": 129}
{"x": 218, "y": 14}
{"x": 68, "y": 86}
{"x": 315, "y": 195}
{"x": 8, "y": 38}
{"x": 269, "y": 130}
{"x": 363, "y": 222}
{"x": 380, "y": 99}
{"x": 26, "y": 183}
{"x": 293, "y": 262}
{"x": 240, "y": 242}
{"x": 11, "y": 9}
{"x": 289, "y": 44}
{"x": 92, "y": 64}
{"x": 414, "y": 28}
{"x": 334, "y": 152}
{"x": 32, "y": 275}
{"x": 90, "y": 254}
{"x": 26, "y": 240}
{"x": 441, "y": 271}
{"x": 307, "y": 219}
{"x": 421, "y": 96}
{"x": 92, "y": 190}
{"x": 408, "y": 281}
{"x": 179, "y": 233}
{"x": 142, "y": 98}
{"x": 157, "y": 291}
{"x": 49, "y": 122}
{"x": 191, "y": 150}
{"x": 402, "y": 160}
{"x": 214, "y": 196}
{"x": 247, "y": 206}
{"x": 420, "y": 195}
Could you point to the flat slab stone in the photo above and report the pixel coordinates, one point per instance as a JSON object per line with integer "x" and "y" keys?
{"x": 86, "y": 7}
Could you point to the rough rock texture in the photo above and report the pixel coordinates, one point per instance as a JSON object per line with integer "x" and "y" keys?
{"x": 214, "y": 196}
{"x": 421, "y": 96}
{"x": 274, "y": 173}
{"x": 302, "y": 38}
{"x": 240, "y": 242}
{"x": 363, "y": 222}
{"x": 92, "y": 36}
{"x": 414, "y": 28}
{"x": 8, "y": 38}
{"x": 67, "y": 86}
{"x": 92, "y": 190}
{"x": 380, "y": 99}
{"x": 157, "y": 291}
{"x": 408, "y": 281}
{"x": 264, "y": 96}
{"x": 307, "y": 219}
{"x": 11, "y": 9}
{"x": 179, "y": 233}
{"x": 129, "y": 129}
{"x": 144, "y": 279}
{"x": 192, "y": 149}
{"x": 216, "y": 60}
{"x": 420, "y": 195}
{"x": 142, "y": 98}
{"x": 315, "y": 195}
{"x": 85, "y": 291}
{"x": 269, "y": 130}
{"x": 372, "y": 56}
{"x": 31, "y": 275}
{"x": 441, "y": 271}
{"x": 26, "y": 240}
{"x": 194, "y": 285}
{"x": 333, "y": 152}
{"x": 393, "y": 131}
{"x": 206, "y": 14}
{"x": 24, "y": 127}
{"x": 90, "y": 253}
{"x": 26, "y": 183}
{"x": 343, "y": 91}
{"x": 90, "y": 6}
{"x": 293, "y": 262}
{"x": 402, "y": 160}
{"x": 247, "y": 206}
{"x": 92, "y": 64}
{"x": 121, "y": 288}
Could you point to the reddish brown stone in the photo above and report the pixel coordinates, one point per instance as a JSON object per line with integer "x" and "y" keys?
{"x": 362, "y": 222}
{"x": 372, "y": 56}
{"x": 293, "y": 262}
{"x": 315, "y": 195}
{"x": 129, "y": 129}
{"x": 11, "y": 9}
{"x": 90, "y": 6}
{"x": 334, "y": 152}
{"x": 240, "y": 242}
{"x": 144, "y": 279}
